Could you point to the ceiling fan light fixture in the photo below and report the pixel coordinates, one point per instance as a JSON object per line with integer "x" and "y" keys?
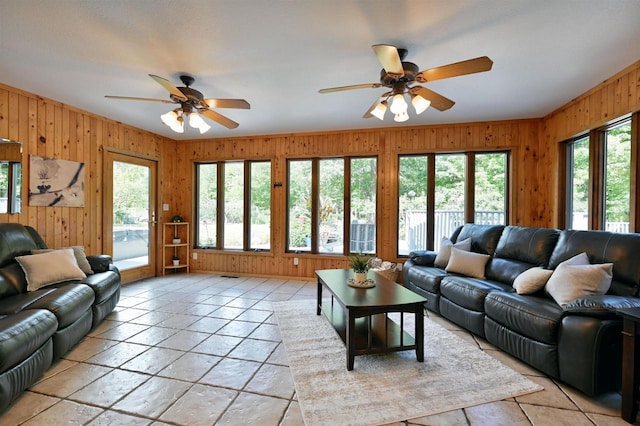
{"x": 204, "y": 127}
{"x": 195, "y": 120}
{"x": 398, "y": 104}
{"x": 170, "y": 118}
{"x": 178, "y": 127}
{"x": 401, "y": 117}
{"x": 419, "y": 103}
{"x": 379, "y": 110}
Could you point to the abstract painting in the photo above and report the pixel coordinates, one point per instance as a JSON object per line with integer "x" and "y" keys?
{"x": 54, "y": 182}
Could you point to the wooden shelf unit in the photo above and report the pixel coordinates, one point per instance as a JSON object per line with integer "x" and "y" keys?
{"x": 170, "y": 249}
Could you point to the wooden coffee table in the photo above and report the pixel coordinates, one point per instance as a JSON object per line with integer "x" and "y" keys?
{"x": 360, "y": 316}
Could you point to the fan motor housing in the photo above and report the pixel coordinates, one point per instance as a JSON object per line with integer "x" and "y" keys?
{"x": 193, "y": 95}
{"x": 410, "y": 71}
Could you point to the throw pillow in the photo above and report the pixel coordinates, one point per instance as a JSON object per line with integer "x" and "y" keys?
{"x": 445, "y": 250}
{"x": 571, "y": 282}
{"x": 78, "y": 252}
{"x": 467, "y": 263}
{"x": 50, "y": 268}
{"x": 532, "y": 280}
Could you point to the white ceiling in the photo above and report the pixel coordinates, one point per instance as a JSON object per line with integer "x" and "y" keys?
{"x": 276, "y": 54}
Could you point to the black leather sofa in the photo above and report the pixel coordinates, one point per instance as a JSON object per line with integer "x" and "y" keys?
{"x": 37, "y": 327}
{"x": 579, "y": 343}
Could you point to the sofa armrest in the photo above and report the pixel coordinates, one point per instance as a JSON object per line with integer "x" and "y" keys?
{"x": 99, "y": 262}
{"x": 600, "y": 305}
{"x": 423, "y": 258}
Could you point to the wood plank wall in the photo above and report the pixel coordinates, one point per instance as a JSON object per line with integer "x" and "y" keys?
{"x": 520, "y": 137}
{"x": 609, "y": 101}
{"x": 49, "y": 128}
{"x": 52, "y": 129}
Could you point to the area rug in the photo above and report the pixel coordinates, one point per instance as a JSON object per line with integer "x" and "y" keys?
{"x": 388, "y": 387}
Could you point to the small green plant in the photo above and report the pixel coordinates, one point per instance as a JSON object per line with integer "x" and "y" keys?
{"x": 359, "y": 263}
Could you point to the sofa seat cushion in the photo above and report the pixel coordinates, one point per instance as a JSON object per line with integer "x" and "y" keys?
{"x": 427, "y": 278}
{"x": 537, "y": 318}
{"x": 103, "y": 284}
{"x": 68, "y": 303}
{"x": 469, "y": 292}
{"x": 22, "y": 334}
{"x": 20, "y": 302}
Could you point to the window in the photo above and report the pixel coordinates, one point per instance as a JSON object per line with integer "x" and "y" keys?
{"x": 578, "y": 184}
{"x": 331, "y": 209}
{"x": 617, "y": 183}
{"x": 490, "y": 188}
{"x": 10, "y": 186}
{"x": 598, "y": 182}
{"x": 363, "y": 205}
{"x": 461, "y": 188}
{"x": 241, "y": 191}
{"x": 449, "y": 195}
{"x": 412, "y": 203}
{"x": 317, "y": 213}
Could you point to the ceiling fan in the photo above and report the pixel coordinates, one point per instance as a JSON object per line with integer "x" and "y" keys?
{"x": 400, "y": 77}
{"x": 192, "y": 105}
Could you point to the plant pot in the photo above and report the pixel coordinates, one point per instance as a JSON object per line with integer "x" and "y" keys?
{"x": 360, "y": 277}
{"x": 176, "y": 262}
{"x": 177, "y": 241}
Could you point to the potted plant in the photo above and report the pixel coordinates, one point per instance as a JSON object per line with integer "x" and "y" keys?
{"x": 360, "y": 266}
{"x": 175, "y": 260}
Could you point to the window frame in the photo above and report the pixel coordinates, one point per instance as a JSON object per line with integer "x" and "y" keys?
{"x": 220, "y": 205}
{"x": 597, "y": 175}
{"x": 469, "y": 197}
{"x": 315, "y": 205}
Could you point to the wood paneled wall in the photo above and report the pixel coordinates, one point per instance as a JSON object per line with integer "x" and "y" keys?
{"x": 52, "y": 129}
{"x": 519, "y": 137}
{"x": 614, "y": 98}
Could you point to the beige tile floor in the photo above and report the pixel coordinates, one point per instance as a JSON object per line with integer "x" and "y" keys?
{"x": 204, "y": 349}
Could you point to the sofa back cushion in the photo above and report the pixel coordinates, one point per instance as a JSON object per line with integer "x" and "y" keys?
{"x": 484, "y": 238}
{"x": 604, "y": 247}
{"x": 16, "y": 240}
{"x": 530, "y": 245}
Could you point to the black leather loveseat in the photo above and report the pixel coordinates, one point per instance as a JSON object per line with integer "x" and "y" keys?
{"x": 37, "y": 327}
{"x": 578, "y": 342}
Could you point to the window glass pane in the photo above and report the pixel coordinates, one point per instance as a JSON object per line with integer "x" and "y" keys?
{"x": 490, "y": 188}
{"x": 299, "y": 216}
{"x": 363, "y": 205}
{"x": 618, "y": 182}
{"x": 233, "y": 205}
{"x": 331, "y": 215}
{"x": 207, "y": 202}
{"x": 578, "y": 192}
{"x": 450, "y": 185}
{"x": 412, "y": 214}
{"x": 4, "y": 187}
{"x": 260, "y": 206}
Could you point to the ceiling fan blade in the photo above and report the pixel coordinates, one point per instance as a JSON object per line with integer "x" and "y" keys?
{"x": 353, "y": 86}
{"x": 389, "y": 58}
{"x": 130, "y": 98}
{"x": 438, "y": 101}
{"x": 169, "y": 86}
{"x": 219, "y": 118}
{"x": 225, "y": 103}
{"x": 469, "y": 66}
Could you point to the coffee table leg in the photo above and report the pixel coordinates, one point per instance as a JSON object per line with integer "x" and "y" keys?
{"x": 419, "y": 333}
{"x": 319, "y": 307}
{"x": 630, "y": 370}
{"x": 351, "y": 340}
